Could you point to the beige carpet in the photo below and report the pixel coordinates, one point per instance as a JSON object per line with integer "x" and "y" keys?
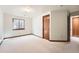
{"x": 33, "y": 44}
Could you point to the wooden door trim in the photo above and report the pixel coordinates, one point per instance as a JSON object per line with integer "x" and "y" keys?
{"x": 43, "y": 26}
{"x": 68, "y": 28}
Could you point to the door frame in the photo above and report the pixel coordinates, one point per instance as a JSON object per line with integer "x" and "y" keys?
{"x": 68, "y": 27}
{"x": 43, "y": 25}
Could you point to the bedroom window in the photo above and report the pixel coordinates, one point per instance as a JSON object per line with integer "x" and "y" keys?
{"x": 18, "y": 24}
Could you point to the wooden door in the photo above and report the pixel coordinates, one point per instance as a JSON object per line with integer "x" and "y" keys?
{"x": 75, "y": 26}
{"x": 46, "y": 20}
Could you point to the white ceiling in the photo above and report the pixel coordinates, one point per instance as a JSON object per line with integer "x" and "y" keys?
{"x": 32, "y": 9}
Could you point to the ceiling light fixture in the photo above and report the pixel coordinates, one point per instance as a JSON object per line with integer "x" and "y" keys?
{"x": 27, "y": 9}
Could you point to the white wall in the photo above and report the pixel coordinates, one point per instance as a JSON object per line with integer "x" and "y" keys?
{"x": 1, "y": 25}
{"x": 59, "y": 25}
{"x": 8, "y": 26}
{"x": 37, "y": 25}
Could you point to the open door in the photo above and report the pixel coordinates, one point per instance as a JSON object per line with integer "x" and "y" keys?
{"x": 75, "y": 26}
{"x": 46, "y": 21}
